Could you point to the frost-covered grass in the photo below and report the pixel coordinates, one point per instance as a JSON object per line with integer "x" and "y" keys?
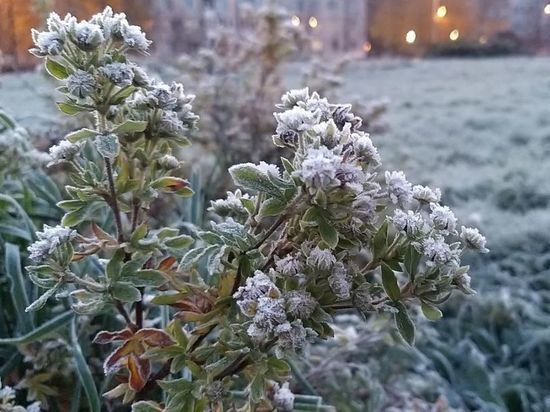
{"x": 479, "y": 129}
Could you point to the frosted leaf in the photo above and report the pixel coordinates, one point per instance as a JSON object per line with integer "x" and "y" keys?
{"x": 399, "y": 188}
{"x": 318, "y": 170}
{"x": 283, "y": 398}
{"x": 289, "y": 266}
{"x": 296, "y": 119}
{"x": 443, "y": 218}
{"x": 473, "y": 239}
{"x": 88, "y": 36}
{"x": 63, "y": 151}
{"x": 120, "y": 74}
{"x": 321, "y": 258}
{"x": 81, "y": 84}
{"x": 49, "y": 239}
{"x": 300, "y": 304}
{"x": 293, "y": 97}
{"x": 339, "y": 283}
{"x": 438, "y": 252}
{"x": 424, "y": 194}
{"x": 409, "y": 222}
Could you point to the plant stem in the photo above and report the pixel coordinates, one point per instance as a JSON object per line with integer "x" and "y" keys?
{"x": 113, "y": 201}
{"x": 122, "y": 310}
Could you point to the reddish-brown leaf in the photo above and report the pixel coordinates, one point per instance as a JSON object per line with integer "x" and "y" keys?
{"x": 104, "y": 336}
{"x": 167, "y": 263}
{"x": 115, "y": 360}
{"x": 154, "y": 337}
{"x": 139, "y": 371}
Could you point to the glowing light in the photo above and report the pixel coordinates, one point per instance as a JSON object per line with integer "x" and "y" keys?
{"x": 483, "y": 39}
{"x": 313, "y": 23}
{"x": 295, "y": 20}
{"x": 410, "y": 37}
{"x": 367, "y": 46}
{"x": 441, "y": 12}
{"x": 547, "y": 9}
{"x": 317, "y": 45}
{"x": 454, "y": 35}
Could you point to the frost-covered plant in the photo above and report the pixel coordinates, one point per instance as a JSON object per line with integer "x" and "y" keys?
{"x": 237, "y": 76}
{"x": 7, "y": 401}
{"x": 17, "y": 154}
{"x": 295, "y": 245}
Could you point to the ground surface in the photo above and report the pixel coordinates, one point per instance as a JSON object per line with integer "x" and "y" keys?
{"x": 479, "y": 129}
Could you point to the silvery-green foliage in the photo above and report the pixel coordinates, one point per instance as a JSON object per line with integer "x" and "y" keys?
{"x": 296, "y": 244}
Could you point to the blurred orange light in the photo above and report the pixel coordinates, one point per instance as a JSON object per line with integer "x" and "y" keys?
{"x": 441, "y": 12}
{"x": 454, "y": 35}
{"x": 313, "y": 23}
{"x": 547, "y": 9}
{"x": 483, "y": 39}
{"x": 295, "y": 20}
{"x": 410, "y": 37}
{"x": 367, "y": 46}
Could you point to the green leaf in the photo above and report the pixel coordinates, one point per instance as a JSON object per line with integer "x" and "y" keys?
{"x": 249, "y": 177}
{"x": 122, "y": 94}
{"x": 379, "y": 242}
{"x": 125, "y": 292}
{"x": 327, "y": 231}
{"x": 256, "y": 388}
{"x": 411, "y": 261}
{"x": 404, "y": 324}
{"x": 71, "y": 108}
{"x": 146, "y": 406}
{"x": 81, "y": 134}
{"x": 71, "y": 204}
{"x": 83, "y": 372}
{"x": 130, "y": 126}
{"x": 389, "y": 281}
{"x": 42, "y": 331}
{"x": 146, "y": 277}
{"x": 56, "y": 69}
{"x": 431, "y": 312}
{"x": 114, "y": 266}
{"x": 108, "y": 145}
{"x": 179, "y": 242}
{"x": 41, "y": 301}
{"x": 171, "y": 184}
{"x": 17, "y": 286}
{"x": 272, "y": 207}
{"x": 74, "y": 217}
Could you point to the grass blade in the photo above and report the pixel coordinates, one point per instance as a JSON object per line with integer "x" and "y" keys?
{"x": 28, "y": 222}
{"x": 18, "y": 290}
{"x": 41, "y": 331}
{"x": 10, "y": 364}
{"x": 86, "y": 378}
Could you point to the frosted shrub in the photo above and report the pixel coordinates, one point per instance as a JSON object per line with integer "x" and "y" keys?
{"x": 291, "y": 247}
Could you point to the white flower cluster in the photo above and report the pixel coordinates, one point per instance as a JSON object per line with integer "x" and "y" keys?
{"x": 262, "y": 301}
{"x": 88, "y": 35}
{"x": 335, "y": 158}
{"x": 176, "y": 115}
{"x": 7, "y": 401}
{"x": 63, "y": 151}
{"x": 49, "y": 240}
